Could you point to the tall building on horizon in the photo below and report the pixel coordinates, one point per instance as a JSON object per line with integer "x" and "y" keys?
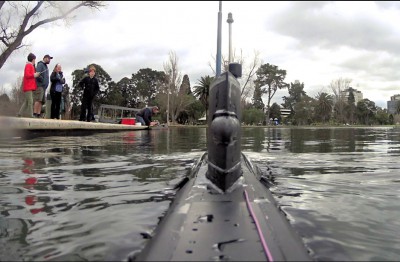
{"x": 392, "y": 104}
{"x": 358, "y": 96}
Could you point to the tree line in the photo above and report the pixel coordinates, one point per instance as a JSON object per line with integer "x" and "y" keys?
{"x": 182, "y": 104}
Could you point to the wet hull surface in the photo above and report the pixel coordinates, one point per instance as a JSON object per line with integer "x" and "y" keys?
{"x": 203, "y": 224}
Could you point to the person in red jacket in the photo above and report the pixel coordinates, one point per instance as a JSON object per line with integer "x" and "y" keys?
{"x": 28, "y": 86}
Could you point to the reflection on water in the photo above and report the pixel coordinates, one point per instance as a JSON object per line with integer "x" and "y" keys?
{"x": 338, "y": 186}
{"x": 89, "y": 197}
{"x": 98, "y": 197}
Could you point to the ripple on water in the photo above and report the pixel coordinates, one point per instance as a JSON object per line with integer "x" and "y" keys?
{"x": 100, "y": 197}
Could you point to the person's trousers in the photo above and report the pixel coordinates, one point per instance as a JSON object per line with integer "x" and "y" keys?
{"x": 55, "y": 104}
{"x": 26, "y": 109}
{"x": 86, "y": 105}
{"x": 140, "y": 119}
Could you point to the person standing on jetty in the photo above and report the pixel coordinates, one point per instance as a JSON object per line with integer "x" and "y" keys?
{"x": 42, "y": 82}
{"x": 28, "y": 86}
{"x": 90, "y": 86}
{"x": 144, "y": 116}
{"x": 57, "y": 85}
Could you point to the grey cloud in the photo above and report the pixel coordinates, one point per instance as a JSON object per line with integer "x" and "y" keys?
{"x": 388, "y": 4}
{"x": 390, "y": 88}
{"x": 309, "y": 23}
{"x": 383, "y": 66}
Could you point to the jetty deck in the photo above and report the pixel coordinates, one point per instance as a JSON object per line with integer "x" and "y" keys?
{"x": 30, "y": 126}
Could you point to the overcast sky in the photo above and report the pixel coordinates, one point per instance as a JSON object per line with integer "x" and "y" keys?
{"x": 315, "y": 42}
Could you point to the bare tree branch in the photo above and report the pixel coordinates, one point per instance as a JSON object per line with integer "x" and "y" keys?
{"x": 11, "y": 37}
{"x": 175, "y": 79}
{"x": 248, "y": 74}
{"x": 338, "y": 86}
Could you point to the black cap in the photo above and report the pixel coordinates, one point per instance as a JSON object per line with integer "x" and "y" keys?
{"x": 48, "y": 56}
{"x": 31, "y": 57}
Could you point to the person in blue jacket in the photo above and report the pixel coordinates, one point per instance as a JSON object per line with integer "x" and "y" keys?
{"x": 42, "y": 82}
{"x": 56, "y": 88}
{"x": 144, "y": 116}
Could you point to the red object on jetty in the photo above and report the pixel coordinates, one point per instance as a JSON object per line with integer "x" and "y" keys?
{"x": 128, "y": 121}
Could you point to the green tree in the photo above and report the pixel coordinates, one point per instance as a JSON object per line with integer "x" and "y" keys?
{"x": 186, "y": 98}
{"x": 116, "y": 94}
{"x": 270, "y": 78}
{"x": 144, "y": 87}
{"x": 324, "y": 105}
{"x": 253, "y": 116}
{"x": 382, "y": 116}
{"x": 185, "y": 86}
{"x": 276, "y": 112}
{"x": 257, "y": 98}
{"x": 391, "y": 119}
{"x": 296, "y": 93}
{"x": 195, "y": 110}
{"x": 351, "y": 106}
{"x": 366, "y": 111}
{"x": 304, "y": 110}
{"x": 20, "y": 18}
{"x": 192, "y": 111}
{"x": 202, "y": 90}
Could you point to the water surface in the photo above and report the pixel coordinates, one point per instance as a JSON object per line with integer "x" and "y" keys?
{"x": 99, "y": 197}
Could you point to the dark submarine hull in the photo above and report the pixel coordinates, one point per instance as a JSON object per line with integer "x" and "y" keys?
{"x": 242, "y": 224}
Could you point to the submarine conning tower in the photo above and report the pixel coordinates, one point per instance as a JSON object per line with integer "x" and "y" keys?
{"x": 224, "y": 131}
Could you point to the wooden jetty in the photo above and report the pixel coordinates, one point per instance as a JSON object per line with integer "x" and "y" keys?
{"x": 21, "y": 126}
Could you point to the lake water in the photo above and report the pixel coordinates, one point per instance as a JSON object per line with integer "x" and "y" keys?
{"x": 99, "y": 197}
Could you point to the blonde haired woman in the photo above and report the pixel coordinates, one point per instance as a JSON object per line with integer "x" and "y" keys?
{"x": 57, "y": 85}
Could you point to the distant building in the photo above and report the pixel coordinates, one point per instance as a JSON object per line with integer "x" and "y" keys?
{"x": 392, "y": 104}
{"x": 285, "y": 112}
{"x": 358, "y": 96}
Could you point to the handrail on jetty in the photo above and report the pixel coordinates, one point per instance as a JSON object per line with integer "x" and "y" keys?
{"x": 114, "y": 114}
